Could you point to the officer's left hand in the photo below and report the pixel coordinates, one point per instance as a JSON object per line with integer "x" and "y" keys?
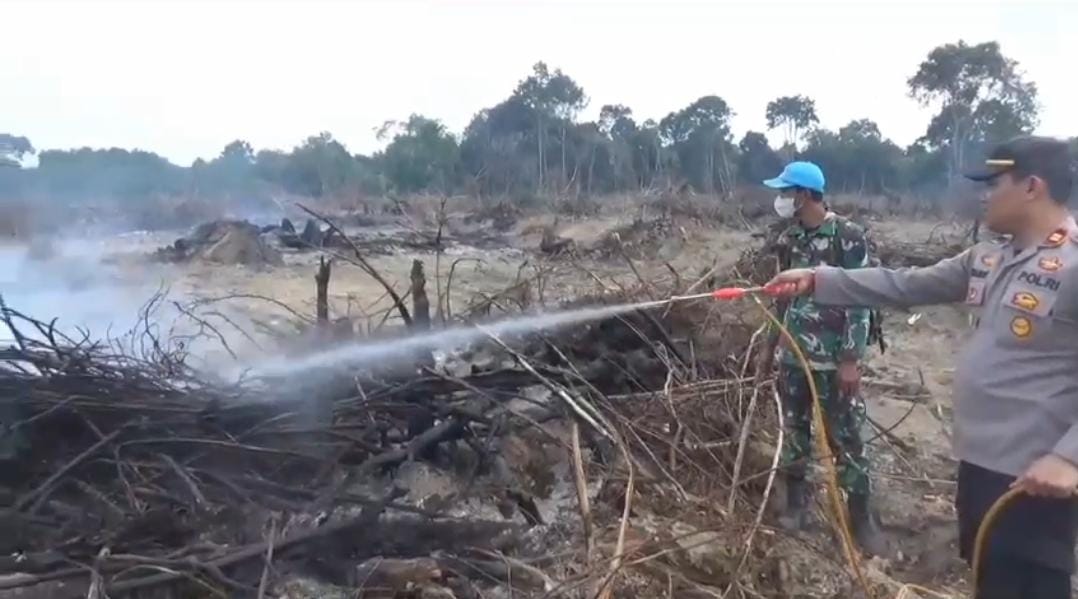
{"x": 849, "y": 379}
{"x": 1049, "y": 476}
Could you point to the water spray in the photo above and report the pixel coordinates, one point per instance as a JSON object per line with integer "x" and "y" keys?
{"x": 403, "y": 348}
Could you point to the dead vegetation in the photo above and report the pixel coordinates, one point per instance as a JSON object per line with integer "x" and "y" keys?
{"x": 167, "y": 484}
{"x": 631, "y": 457}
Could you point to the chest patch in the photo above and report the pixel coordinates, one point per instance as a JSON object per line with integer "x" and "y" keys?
{"x": 1026, "y": 301}
{"x": 1050, "y": 263}
{"x": 1021, "y": 327}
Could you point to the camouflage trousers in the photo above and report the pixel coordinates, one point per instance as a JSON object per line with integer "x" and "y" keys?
{"x": 844, "y": 418}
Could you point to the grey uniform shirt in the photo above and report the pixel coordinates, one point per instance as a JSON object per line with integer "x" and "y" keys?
{"x": 1016, "y": 378}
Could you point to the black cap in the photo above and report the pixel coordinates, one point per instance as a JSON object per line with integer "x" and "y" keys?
{"x": 1044, "y": 157}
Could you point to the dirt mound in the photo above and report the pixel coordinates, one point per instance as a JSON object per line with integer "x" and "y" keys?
{"x": 223, "y": 242}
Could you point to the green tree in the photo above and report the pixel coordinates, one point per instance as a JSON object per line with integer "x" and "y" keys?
{"x": 13, "y": 178}
{"x": 756, "y": 160}
{"x": 700, "y": 136}
{"x": 319, "y": 167}
{"x": 497, "y": 150}
{"x": 239, "y": 153}
{"x": 794, "y": 114}
{"x": 616, "y": 121}
{"x": 924, "y": 169}
{"x": 589, "y": 154}
{"x": 617, "y": 125}
{"x": 13, "y": 149}
{"x": 90, "y": 174}
{"x": 232, "y": 172}
{"x": 857, "y": 158}
{"x": 271, "y": 165}
{"x": 650, "y": 155}
{"x": 422, "y": 155}
{"x": 555, "y": 99}
{"x": 979, "y": 95}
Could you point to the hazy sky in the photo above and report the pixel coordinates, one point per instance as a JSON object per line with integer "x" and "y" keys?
{"x": 185, "y": 78}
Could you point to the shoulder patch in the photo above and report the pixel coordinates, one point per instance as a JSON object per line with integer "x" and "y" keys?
{"x": 1056, "y": 238}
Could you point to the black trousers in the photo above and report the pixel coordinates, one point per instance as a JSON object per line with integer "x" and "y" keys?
{"x": 1030, "y": 551}
{"x": 1018, "y": 579}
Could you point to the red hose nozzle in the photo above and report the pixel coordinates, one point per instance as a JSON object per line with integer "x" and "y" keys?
{"x": 729, "y": 293}
{"x": 732, "y": 293}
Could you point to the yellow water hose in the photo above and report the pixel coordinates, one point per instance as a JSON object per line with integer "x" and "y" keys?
{"x": 980, "y": 542}
{"x": 841, "y": 519}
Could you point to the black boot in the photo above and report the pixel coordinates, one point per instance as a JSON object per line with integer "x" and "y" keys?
{"x": 865, "y": 525}
{"x": 795, "y": 515}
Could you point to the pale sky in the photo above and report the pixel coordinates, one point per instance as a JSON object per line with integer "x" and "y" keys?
{"x": 185, "y": 78}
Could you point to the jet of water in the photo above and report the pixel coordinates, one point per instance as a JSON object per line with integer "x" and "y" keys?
{"x": 392, "y": 350}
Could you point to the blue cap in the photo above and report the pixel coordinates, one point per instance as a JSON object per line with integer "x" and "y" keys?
{"x": 799, "y": 174}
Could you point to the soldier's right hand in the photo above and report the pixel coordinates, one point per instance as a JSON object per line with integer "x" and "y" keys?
{"x": 798, "y": 281}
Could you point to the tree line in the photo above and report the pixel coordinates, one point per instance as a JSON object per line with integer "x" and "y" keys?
{"x": 533, "y": 143}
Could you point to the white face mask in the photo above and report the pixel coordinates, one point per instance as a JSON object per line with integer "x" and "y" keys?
{"x": 785, "y": 207}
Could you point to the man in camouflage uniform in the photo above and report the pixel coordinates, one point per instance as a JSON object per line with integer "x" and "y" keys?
{"x": 833, "y": 340}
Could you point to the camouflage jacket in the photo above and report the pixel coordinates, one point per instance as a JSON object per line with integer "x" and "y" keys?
{"x": 827, "y": 335}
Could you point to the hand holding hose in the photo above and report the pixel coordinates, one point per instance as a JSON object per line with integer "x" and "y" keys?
{"x": 799, "y": 281}
{"x": 1049, "y": 476}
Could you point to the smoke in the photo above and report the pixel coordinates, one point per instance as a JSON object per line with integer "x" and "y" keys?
{"x": 69, "y": 281}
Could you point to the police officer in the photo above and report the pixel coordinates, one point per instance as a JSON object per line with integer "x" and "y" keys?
{"x": 1016, "y": 379}
{"x": 833, "y": 339}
